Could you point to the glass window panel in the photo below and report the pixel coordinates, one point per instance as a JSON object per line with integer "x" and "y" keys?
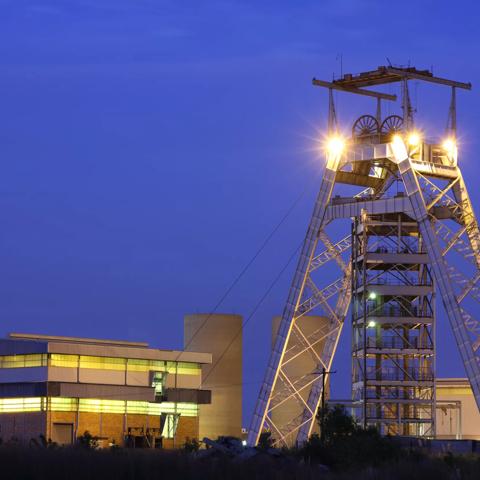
{"x": 141, "y": 365}
{"x": 137, "y": 407}
{"x": 23, "y": 361}
{"x": 102, "y": 363}
{"x": 61, "y": 404}
{"x": 184, "y": 368}
{"x": 14, "y": 405}
{"x": 154, "y": 409}
{"x": 158, "y": 382}
{"x": 170, "y": 426}
{"x": 157, "y": 365}
{"x": 59, "y": 360}
{"x": 136, "y": 365}
{"x": 184, "y": 409}
{"x": 93, "y": 405}
{"x": 101, "y": 406}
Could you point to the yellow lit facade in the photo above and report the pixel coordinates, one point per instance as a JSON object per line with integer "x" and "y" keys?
{"x": 457, "y": 412}
{"x": 121, "y": 392}
{"x": 98, "y": 363}
{"x": 94, "y": 405}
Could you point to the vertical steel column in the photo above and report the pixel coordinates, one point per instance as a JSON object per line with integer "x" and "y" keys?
{"x": 441, "y": 275}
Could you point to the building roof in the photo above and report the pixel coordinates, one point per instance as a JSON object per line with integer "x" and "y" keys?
{"x": 56, "y": 338}
{"x": 452, "y": 382}
{"x": 21, "y": 343}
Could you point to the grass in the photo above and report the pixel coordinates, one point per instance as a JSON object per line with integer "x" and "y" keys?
{"x": 122, "y": 464}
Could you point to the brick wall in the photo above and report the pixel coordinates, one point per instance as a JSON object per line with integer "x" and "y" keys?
{"x": 22, "y": 426}
{"x": 107, "y": 426}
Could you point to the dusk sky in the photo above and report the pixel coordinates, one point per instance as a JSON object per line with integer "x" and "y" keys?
{"x": 148, "y": 148}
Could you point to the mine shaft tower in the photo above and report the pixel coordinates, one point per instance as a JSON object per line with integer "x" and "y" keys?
{"x": 410, "y": 233}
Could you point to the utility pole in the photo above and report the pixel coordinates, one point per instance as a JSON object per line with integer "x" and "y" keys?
{"x": 322, "y": 411}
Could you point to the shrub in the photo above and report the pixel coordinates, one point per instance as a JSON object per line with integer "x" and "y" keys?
{"x": 345, "y": 445}
{"x": 265, "y": 441}
{"x": 87, "y": 441}
{"x": 191, "y": 446}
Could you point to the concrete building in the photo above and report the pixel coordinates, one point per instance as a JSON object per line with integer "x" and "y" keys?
{"x": 457, "y": 412}
{"x": 220, "y": 335}
{"x": 121, "y": 392}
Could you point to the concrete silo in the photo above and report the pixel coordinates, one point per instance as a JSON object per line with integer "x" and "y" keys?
{"x": 220, "y": 335}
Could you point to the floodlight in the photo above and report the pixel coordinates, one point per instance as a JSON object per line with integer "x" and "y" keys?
{"x": 335, "y": 145}
{"x": 450, "y": 145}
{"x": 414, "y": 139}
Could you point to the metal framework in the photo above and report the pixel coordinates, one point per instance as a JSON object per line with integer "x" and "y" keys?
{"x": 392, "y": 326}
{"x": 414, "y": 233}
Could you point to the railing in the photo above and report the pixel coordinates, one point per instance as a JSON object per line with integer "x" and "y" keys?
{"x": 405, "y": 282}
{"x": 400, "y": 393}
{"x": 398, "y": 374}
{"x": 375, "y": 411}
{"x": 391, "y": 311}
{"x": 395, "y": 342}
{"x": 396, "y": 250}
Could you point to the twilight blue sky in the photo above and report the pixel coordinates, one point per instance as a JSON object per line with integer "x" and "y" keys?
{"x": 148, "y": 147}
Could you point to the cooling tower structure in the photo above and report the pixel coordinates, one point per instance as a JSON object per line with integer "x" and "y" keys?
{"x": 306, "y": 361}
{"x": 220, "y": 335}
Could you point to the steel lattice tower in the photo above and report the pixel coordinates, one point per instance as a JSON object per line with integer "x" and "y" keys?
{"x": 392, "y": 326}
{"x": 410, "y": 233}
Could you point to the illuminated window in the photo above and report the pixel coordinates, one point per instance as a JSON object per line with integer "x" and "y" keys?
{"x": 158, "y": 382}
{"x": 101, "y": 406}
{"x": 157, "y": 365}
{"x": 170, "y": 426}
{"x": 14, "y": 405}
{"x": 184, "y": 368}
{"x": 137, "y": 365}
{"x": 185, "y": 409}
{"x": 58, "y": 360}
{"x": 137, "y": 407}
{"x": 23, "y": 361}
{"x": 95, "y": 405}
{"x": 154, "y": 409}
{"x": 61, "y": 404}
{"x": 102, "y": 363}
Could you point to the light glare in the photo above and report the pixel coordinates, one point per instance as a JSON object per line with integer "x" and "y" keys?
{"x": 449, "y": 145}
{"x": 335, "y": 145}
{"x": 398, "y": 148}
{"x": 414, "y": 139}
{"x": 372, "y": 296}
{"x": 371, "y": 323}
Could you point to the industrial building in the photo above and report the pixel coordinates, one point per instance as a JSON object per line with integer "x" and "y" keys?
{"x": 129, "y": 394}
{"x": 457, "y": 414}
{"x": 124, "y": 393}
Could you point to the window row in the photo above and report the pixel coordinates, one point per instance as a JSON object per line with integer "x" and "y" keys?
{"x": 92, "y": 405}
{"x": 99, "y": 363}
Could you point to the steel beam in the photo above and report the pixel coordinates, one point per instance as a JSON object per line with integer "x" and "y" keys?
{"x": 440, "y": 272}
{"x": 358, "y": 91}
